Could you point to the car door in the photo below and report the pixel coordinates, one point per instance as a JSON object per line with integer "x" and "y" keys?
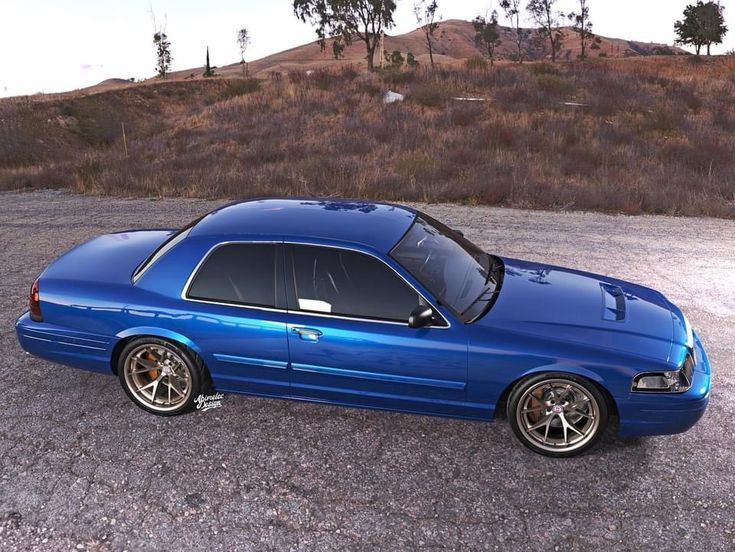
{"x": 238, "y": 308}
{"x": 350, "y": 342}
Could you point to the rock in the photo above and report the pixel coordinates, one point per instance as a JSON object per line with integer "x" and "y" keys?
{"x": 392, "y": 97}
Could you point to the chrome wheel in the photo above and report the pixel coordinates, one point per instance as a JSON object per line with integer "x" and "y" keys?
{"x": 558, "y": 415}
{"x": 157, "y": 377}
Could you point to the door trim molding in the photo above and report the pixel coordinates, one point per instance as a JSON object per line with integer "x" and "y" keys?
{"x": 376, "y": 376}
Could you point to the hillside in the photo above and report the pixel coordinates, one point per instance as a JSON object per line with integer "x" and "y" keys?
{"x": 644, "y": 135}
{"x": 455, "y": 42}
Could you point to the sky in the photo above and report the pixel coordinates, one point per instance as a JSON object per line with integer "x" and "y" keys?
{"x": 58, "y": 45}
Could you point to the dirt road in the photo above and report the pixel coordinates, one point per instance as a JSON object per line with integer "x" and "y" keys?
{"x": 82, "y": 468}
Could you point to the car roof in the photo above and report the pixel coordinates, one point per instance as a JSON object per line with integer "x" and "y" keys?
{"x": 376, "y": 225}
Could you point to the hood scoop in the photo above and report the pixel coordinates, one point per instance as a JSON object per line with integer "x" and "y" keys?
{"x": 613, "y": 303}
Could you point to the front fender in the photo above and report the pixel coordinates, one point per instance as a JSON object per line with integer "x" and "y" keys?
{"x": 567, "y": 369}
{"x": 558, "y": 367}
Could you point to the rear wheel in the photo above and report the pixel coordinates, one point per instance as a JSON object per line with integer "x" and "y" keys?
{"x": 159, "y": 376}
{"x": 557, "y": 414}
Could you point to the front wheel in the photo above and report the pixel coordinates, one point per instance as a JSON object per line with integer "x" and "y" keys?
{"x": 159, "y": 376}
{"x": 557, "y": 414}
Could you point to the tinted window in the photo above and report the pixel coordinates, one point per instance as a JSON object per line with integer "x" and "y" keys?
{"x": 238, "y": 273}
{"x": 349, "y": 283}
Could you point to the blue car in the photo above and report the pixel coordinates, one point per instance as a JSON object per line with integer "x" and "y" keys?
{"x": 370, "y": 305}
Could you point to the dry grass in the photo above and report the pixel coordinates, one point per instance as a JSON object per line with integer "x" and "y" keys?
{"x": 654, "y": 135}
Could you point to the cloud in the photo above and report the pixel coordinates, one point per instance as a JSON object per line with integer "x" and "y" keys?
{"x": 91, "y": 66}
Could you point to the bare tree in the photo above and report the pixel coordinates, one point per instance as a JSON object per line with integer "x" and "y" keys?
{"x": 243, "y": 41}
{"x": 548, "y": 20}
{"x": 513, "y": 10}
{"x": 428, "y": 21}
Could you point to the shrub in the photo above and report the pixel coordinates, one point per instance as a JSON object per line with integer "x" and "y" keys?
{"x": 544, "y": 68}
{"x": 656, "y": 137}
{"x": 466, "y": 113}
{"x": 475, "y": 63}
{"x": 239, "y": 87}
{"x": 428, "y": 95}
{"x": 555, "y": 85}
{"x": 324, "y": 79}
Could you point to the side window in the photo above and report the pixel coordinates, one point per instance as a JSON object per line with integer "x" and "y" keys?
{"x": 348, "y": 283}
{"x": 243, "y": 274}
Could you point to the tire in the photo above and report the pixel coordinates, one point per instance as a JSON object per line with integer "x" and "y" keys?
{"x": 557, "y": 414}
{"x": 160, "y": 376}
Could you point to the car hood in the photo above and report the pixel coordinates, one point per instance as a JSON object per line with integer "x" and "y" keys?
{"x": 590, "y": 309}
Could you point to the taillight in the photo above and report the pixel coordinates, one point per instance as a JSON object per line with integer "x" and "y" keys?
{"x": 34, "y": 304}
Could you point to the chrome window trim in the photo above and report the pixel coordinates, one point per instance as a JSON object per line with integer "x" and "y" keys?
{"x": 212, "y": 249}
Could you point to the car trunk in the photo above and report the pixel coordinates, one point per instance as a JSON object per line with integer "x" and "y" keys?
{"x": 108, "y": 259}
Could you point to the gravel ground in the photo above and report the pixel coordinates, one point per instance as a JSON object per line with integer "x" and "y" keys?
{"x": 82, "y": 468}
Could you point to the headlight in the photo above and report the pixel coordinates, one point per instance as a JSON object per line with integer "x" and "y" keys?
{"x": 673, "y": 381}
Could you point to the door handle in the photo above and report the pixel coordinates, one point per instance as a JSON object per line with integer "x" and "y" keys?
{"x": 308, "y": 334}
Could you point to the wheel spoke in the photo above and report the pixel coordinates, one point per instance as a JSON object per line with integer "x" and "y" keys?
{"x": 173, "y": 384}
{"x": 151, "y": 384}
{"x": 581, "y": 413}
{"x": 156, "y": 383}
{"x": 148, "y": 365}
{"x": 546, "y": 421}
{"x": 566, "y": 426}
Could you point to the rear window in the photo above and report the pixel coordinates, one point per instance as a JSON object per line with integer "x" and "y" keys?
{"x": 241, "y": 274}
{"x": 164, "y": 248}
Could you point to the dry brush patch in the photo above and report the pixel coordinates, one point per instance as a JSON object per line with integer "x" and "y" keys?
{"x": 634, "y": 136}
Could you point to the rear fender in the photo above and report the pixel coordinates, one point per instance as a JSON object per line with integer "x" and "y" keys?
{"x": 162, "y": 333}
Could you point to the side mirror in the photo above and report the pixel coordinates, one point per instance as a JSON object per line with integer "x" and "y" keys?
{"x": 422, "y": 316}
{"x": 458, "y": 232}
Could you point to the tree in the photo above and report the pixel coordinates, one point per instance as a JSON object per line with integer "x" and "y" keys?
{"x": 547, "y": 18}
{"x": 486, "y": 34}
{"x": 208, "y": 69}
{"x": 243, "y": 41}
{"x": 343, "y": 20}
{"x": 688, "y": 31}
{"x": 714, "y": 27}
{"x": 411, "y": 60}
{"x": 428, "y": 21}
{"x": 512, "y": 10}
{"x": 582, "y": 25}
{"x": 703, "y": 25}
{"x": 395, "y": 59}
{"x": 163, "y": 54}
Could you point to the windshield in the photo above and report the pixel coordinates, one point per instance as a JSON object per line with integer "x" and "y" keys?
{"x": 459, "y": 274}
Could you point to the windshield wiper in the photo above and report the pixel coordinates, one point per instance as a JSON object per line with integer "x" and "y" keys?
{"x": 478, "y": 299}
{"x": 494, "y": 273}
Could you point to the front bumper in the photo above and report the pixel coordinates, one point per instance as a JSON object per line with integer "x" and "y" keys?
{"x": 668, "y": 413}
